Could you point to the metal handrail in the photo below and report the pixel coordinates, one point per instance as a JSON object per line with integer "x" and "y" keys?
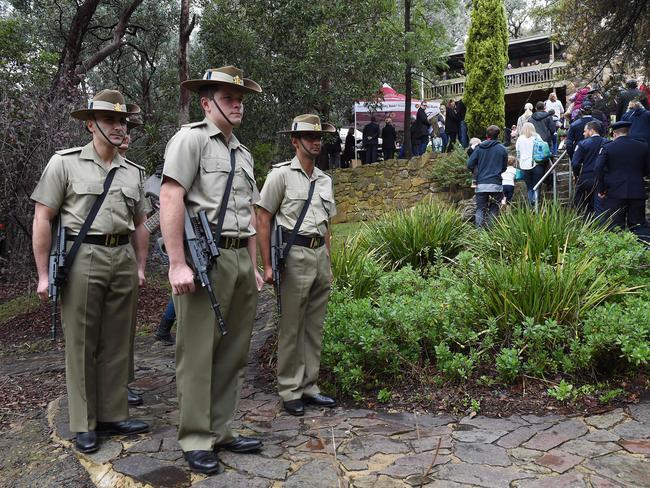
{"x": 543, "y": 178}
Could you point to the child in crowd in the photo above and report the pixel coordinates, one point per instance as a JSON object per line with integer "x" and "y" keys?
{"x": 473, "y": 142}
{"x": 508, "y": 180}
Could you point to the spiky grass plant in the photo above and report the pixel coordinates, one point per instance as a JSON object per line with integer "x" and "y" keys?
{"x": 418, "y": 236}
{"x": 523, "y": 233}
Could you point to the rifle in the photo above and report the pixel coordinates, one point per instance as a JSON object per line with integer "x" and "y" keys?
{"x": 277, "y": 261}
{"x": 203, "y": 253}
{"x": 56, "y": 271}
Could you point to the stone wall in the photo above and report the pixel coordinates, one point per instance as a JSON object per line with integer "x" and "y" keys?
{"x": 369, "y": 191}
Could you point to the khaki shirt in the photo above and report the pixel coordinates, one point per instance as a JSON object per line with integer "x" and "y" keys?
{"x": 285, "y": 193}
{"x": 198, "y": 158}
{"x": 74, "y": 178}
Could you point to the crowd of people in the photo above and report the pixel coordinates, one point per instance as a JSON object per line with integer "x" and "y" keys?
{"x": 608, "y": 172}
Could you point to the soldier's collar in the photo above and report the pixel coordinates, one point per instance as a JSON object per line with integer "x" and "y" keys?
{"x": 295, "y": 164}
{"x": 88, "y": 152}
{"x": 213, "y": 131}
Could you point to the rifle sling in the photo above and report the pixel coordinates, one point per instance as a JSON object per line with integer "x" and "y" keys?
{"x": 226, "y": 196}
{"x": 301, "y": 217}
{"x": 69, "y": 259}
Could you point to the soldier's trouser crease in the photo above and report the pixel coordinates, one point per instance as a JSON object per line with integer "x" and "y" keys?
{"x": 97, "y": 303}
{"x": 305, "y": 291}
{"x": 210, "y": 368}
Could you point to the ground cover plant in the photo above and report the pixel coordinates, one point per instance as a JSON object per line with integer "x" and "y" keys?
{"x": 547, "y": 297}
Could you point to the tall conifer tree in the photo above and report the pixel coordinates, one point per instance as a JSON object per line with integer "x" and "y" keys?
{"x": 486, "y": 56}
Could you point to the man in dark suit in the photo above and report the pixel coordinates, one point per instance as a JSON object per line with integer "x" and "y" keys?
{"x": 583, "y": 164}
{"x": 620, "y": 168}
{"x": 421, "y": 131}
{"x": 388, "y": 138}
{"x": 371, "y": 140}
{"x": 630, "y": 93}
{"x": 640, "y": 119}
{"x": 577, "y": 128}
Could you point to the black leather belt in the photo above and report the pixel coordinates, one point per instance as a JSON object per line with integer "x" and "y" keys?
{"x": 312, "y": 242}
{"x": 108, "y": 240}
{"x": 232, "y": 242}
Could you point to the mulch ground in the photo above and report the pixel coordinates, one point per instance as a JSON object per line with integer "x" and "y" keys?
{"x": 24, "y": 395}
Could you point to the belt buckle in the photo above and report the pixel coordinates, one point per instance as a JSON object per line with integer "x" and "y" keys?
{"x": 313, "y": 242}
{"x": 232, "y": 242}
{"x": 111, "y": 240}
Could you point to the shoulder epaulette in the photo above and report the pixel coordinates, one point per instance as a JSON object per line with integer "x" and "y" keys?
{"x": 280, "y": 165}
{"x": 63, "y": 152}
{"x": 141, "y": 168}
{"x": 245, "y": 148}
{"x": 195, "y": 124}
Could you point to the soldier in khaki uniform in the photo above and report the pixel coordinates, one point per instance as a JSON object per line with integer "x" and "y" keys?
{"x": 99, "y": 296}
{"x": 307, "y": 276}
{"x": 210, "y": 367}
{"x": 134, "y": 399}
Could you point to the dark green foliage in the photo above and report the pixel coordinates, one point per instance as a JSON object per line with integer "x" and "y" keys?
{"x": 419, "y": 236}
{"x": 451, "y": 169}
{"x": 558, "y": 297}
{"x": 522, "y": 233}
{"x": 485, "y": 61}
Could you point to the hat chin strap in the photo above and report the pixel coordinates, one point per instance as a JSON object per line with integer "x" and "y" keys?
{"x": 221, "y": 111}
{"x": 107, "y": 139}
{"x": 313, "y": 158}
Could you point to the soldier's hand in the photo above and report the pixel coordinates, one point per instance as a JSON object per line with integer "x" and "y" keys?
{"x": 181, "y": 277}
{"x": 268, "y": 276}
{"x": 259, "y": 281}
{"x": 42, "y": 290}
{"x": 142, "y": 280}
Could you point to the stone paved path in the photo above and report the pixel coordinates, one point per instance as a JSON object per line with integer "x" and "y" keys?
{"x": 363, "y": 448}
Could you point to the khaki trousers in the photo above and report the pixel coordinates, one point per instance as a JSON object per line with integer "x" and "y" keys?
{"x": 305, "y": 291}
{"x": 209, "y": 367}
{"x": 96, "y": 306}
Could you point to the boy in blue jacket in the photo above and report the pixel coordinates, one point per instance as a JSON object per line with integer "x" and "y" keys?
{"x": 490, "y": 158}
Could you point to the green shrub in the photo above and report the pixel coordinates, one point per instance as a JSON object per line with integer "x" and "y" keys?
{"x": 450, "y": 169}
{"x": 356, "y": 268}
{"x": 513, "y": 291}
{"x": 419, "y": 236}
{"x": 508, "y": 364}
{"x": 522, "y": 233}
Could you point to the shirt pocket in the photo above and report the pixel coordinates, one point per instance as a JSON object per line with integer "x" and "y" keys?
{"x": 250, "y": 186}
{"x": 85, "y": 194}
{"x": 214, "y": 164}
{"x": 131, "y": 196}
{"x": 326, "y": 205}
{"x": 295, "y": 200}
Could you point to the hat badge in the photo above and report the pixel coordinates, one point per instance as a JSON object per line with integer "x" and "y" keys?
{"x": 316, "y": 126}
{"x": 118, "y": 107}
{"x": 237, "y": 80}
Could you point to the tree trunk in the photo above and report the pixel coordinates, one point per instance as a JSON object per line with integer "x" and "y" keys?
{"x": 71, "y": 67}
{"x": 66, "y": 80}
{"x": 185, "y": 31}
{"x": 407, "y": 83}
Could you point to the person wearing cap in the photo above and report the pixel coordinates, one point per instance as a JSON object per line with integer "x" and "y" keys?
{"x": 200, "y": 161}
{"x": 631, "y": 92}
{"x": 134, "y": 399}
{"x": 577, "y": 128}
{"x": 582, "y": 167}
{"x": 620, "y": 168}
{"x": 99, "y": 297}
{"x": 307, "y": 275}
